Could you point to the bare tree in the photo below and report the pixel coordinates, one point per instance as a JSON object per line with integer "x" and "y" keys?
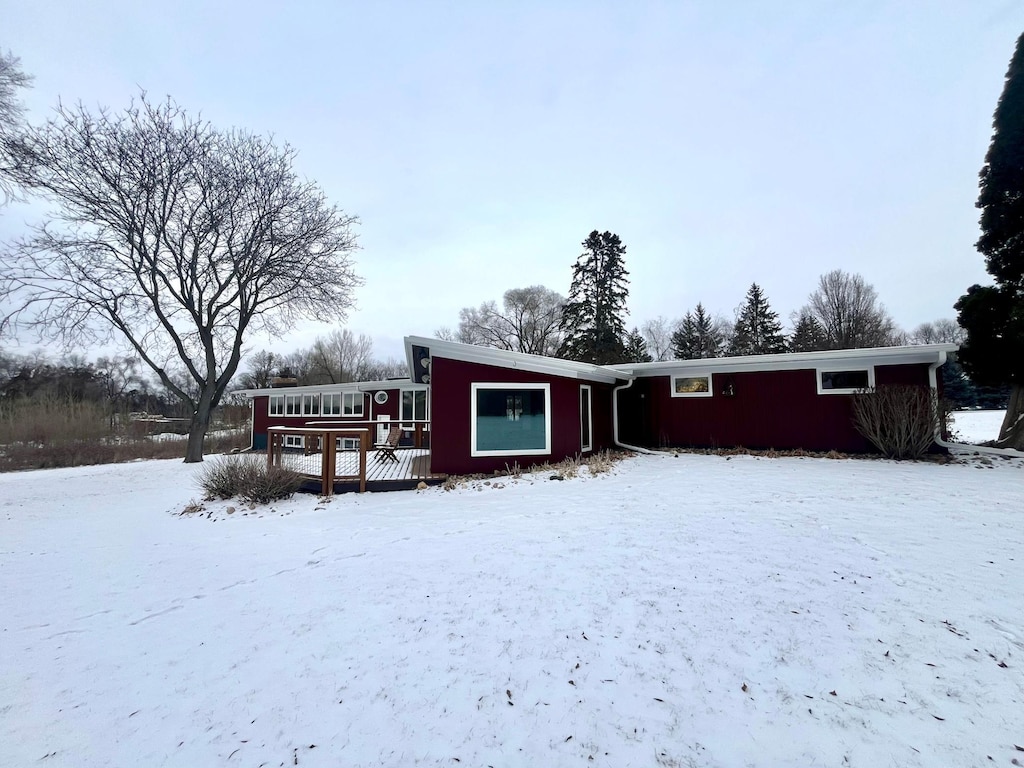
{"x": 339, "y": 357}
{"x": 942, "y": 331}
{"x": 658, "y": 335}
{"x": 260, "y": 369}
{"x": 527, "y": 321}
{"x": 176, "y": 237}
{"x": 12, "y": 80}
{"x": 849, "y": 313}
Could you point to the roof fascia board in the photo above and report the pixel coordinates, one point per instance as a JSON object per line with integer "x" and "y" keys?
{"x": 348, "y": 386}
{"x": 500, "y": 358}
{"x": 924, "y": 353}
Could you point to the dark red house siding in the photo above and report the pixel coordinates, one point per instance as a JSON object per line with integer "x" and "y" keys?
{"x": 450, "y": 385}
{"x": 261, "y": 418}
{"x": 770, "y": 409}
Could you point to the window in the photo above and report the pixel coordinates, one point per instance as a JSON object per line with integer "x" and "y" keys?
{"x": 293, "y": 441}
{"x": 414, "y": 406}
{"x": 845, "y": 381}
{"x": 330, "y": 405}
{"x": 510, "y": 419}
{"x": 692, "y": 386}
{"x": 292, "y": 405}
{"x": 347, "y": 443}
{"x": 311, "y": 405}
{"x": 276, "y": 407}
{"x": 586, "y": 423}
{"x": 351, "y": 403}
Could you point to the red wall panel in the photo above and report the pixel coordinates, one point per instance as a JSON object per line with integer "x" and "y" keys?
{"x": 450, "y": 385}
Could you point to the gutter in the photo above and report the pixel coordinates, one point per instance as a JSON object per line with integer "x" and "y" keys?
{"x": 615, "y": 421}
{"x": 961, "y": 447}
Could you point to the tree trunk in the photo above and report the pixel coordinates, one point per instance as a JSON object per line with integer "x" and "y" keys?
{"x": 1011, "y": 434}
{"x": 197, "y": 430}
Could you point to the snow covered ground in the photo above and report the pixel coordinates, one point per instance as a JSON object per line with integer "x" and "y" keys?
{"x": 977, "y": 427}
{"x": 684, "y": 611}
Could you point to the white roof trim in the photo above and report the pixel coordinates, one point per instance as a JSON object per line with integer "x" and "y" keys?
{"x": 501, "y": 358}
{"x": 348, "y": 386}
{"x": 924, "y": 353}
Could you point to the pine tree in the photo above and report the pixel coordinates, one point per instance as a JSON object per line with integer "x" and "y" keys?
{"x": 636, "y": 348}
{"x": 593, "y": 316}
{"x": 993, "y": 316}
{"x": 758, "y": 330}
{"x": 808, "y": 335}
{"x": 697, "y": 337}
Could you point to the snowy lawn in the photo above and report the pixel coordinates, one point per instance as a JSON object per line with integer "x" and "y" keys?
{"x": 689, "y": 611}
{"x": 977, "y": 427}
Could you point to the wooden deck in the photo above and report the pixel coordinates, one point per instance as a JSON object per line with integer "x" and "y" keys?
{"x": 412, "y": 468}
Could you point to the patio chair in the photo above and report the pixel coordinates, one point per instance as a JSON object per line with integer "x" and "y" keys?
{"x": 386, "y": 450}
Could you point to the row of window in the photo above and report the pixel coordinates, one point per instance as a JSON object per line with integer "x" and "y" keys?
{"x": 345, "y": 404}
{"x": 838, "y": 382}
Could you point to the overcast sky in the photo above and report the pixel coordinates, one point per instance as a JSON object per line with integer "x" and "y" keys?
{"x": 480, "y": 142}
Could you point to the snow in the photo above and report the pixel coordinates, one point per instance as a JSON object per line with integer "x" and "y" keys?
{"x": 977, "y": 426}
{"x": 682, "y": 611}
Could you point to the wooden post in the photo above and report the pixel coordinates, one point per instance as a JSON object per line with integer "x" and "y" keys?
{"x": 326, "y": 465}
{"x": 364, "y": 440}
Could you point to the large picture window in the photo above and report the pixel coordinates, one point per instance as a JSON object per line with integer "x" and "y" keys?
{"x": 692, "y": 386}
{"x": 845, "y": 381}
{"x": 510, "y": 419}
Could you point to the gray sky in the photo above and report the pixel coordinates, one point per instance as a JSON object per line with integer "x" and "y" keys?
{"x": 480, "y": 142}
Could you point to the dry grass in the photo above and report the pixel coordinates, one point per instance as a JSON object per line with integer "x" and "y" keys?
{"x": 48, "y": 433}
{"x": 596, "y": 463}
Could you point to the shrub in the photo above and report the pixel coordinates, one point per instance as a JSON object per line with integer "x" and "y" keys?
{"x": 247, "y": 478}
{"x": 899, "y": 419}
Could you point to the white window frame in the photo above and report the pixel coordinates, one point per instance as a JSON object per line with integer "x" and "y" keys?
{"x": 293, "y": 441}
{"x": 311, "y": 404}
{"x": 293, "y": 405}
{"x": 330, "y": 404}
{"x": 277, "y": 400}
{"x": 349, "y": 401}
{"x": 589, "y": 446}
{"x": 695, "y": 375}
{"x": 408, "y": 423}
{"x": 347, "y": 443}
{"x": 845, "y": 390}
{"x": 477, "y": 386}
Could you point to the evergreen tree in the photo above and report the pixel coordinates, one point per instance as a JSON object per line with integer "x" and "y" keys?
{"x": 698, "y": 336}
{"x": 808, "y": 335}
{"x": 758, "y": 330}
{"x": 993, "y": 316}
{"x": 593, "y": 319}
{"x": 636, "y": 348}
{"x": 956, "y": 387}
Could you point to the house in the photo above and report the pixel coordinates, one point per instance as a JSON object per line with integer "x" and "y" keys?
{"x": 373, "y": 404}
{"x": 483, "y": 409}
{"x": 492, "y": 408}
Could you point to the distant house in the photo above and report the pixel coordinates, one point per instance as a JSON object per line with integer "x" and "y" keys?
{"x": 483, "y": 409}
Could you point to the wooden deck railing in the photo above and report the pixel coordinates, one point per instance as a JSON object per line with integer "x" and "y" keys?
{"x": 322, "y": 440}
